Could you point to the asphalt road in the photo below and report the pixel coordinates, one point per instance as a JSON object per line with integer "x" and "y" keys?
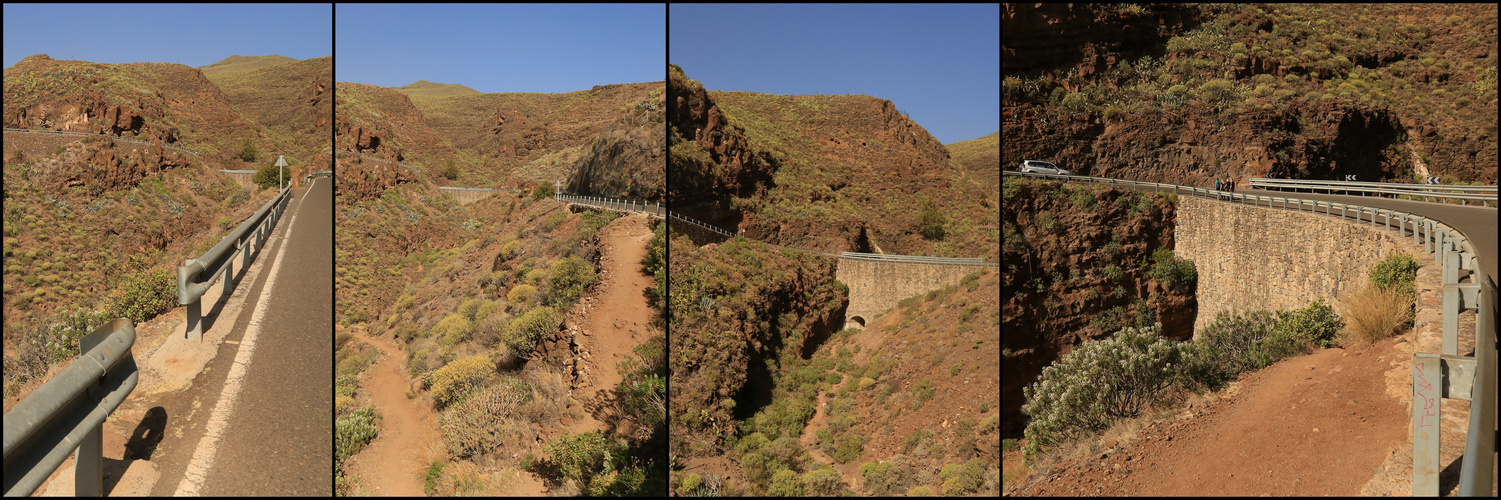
{"x": 279, "y": 438}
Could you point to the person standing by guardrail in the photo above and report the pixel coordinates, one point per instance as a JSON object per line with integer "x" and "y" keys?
{"x": 1216, "y": 184}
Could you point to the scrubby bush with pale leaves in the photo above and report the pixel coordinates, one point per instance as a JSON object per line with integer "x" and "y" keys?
{"x": 1098, "y": 382}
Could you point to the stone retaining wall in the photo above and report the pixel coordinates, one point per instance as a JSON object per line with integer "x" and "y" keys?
{"x": 1252, "y": 257}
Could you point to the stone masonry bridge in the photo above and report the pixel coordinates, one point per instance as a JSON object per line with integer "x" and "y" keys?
{"x": 876, "y": 281}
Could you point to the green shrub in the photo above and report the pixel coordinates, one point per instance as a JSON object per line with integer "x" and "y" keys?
{"x": 585, "y": 456}
{"x": 1176, "y": 274}
{"x": 543, "y": 190}
{"x": 486, "y": 309}
{"x": 452, "y": 329}
{"x": 849, "y": 446}
{"x": 521, "y": 296}
{"x": 1083, "y": 199}
{"x": 469, "y": 308}
{"x": 1098, "y": 382}
{"x": 823, "y": 482}
{"x": 353, "y": 431}
{"x": 963, "y": 479}
{"x": 523, "y": 333}
{"x": 434, "y": 477}
{"x": 784, "y": 484}
{"x": 569, "y": 278}
{"x": 921, "y": 491}
{"x": 1397, "y": 272}
{"x": 1316, "y": 324}
{"x": 456, "y": 380}
{"x": 144, "y": 295}
{"x": 885, "y": 478}
{"x": 248, "y": 153}
{"x": 451, "y": 172}
{"x": 1114, "y": 273}
{"x": 931, "y": 221}
{"x": 510, "y": 250}
{"x": 1230, "y": 345}
{"x": 266, "y": 177}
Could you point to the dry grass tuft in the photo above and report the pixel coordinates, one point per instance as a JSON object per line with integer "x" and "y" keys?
{"x": 1373, "y": 314}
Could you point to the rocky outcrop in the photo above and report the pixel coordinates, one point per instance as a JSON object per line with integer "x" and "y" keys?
{"x": 361, "y": 180}
{"x": 719, "y": 163}
{"x": 1037, "y": 37}
{"x": 102, "y": 164}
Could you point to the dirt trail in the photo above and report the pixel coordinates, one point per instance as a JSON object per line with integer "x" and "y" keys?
{"x": 809, "y": 439}
{"x": 1317, "y": 424}
{"x": 616, "y": 317}
{"x": 391, "y": 465}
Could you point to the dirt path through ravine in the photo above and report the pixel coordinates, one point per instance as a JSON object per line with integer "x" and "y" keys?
{"x": 1317, "y": 424}
{"x": 809, "y": 439}
{"x": 616, "y": 318}
{"x": 391, "y": 465}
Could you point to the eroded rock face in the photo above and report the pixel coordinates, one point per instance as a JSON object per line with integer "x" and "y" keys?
{"x": 104, "y": 165}
{"x": 361, "y": 180}
{"x": 740, "y": 170}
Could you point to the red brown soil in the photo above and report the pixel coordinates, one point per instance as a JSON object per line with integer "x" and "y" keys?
{"x": 809, "y": 440}
{"x": 392, "y": 464}
{"x": 615, "y": 319}
{"x": 1319, "y": 424}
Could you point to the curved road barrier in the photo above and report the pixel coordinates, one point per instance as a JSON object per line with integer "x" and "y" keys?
{"x": 1485, "y": 194}
{"x": 68, "y": 412}
{"x": 195, "y": 275}
{"x": 1434, "y": 376}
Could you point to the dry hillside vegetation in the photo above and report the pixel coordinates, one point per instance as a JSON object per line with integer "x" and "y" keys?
{"x": 828, "y": 172}
{"x": 1080, "y": 263}
{"x": 979, "y": 160}
{"x": 907, "y": 406}
{"x": 290, "y": 99}
{"x": 1190, "y": 93}
{"x": 477, "y": 297}
{"x": 95, "y": 226}
{"x": 606, "y": 141}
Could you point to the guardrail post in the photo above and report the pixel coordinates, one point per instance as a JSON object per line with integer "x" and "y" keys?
{"x": 88, "y": 474}
{"x": 1426, "y": 399}
{"x": 1438, "y": 250}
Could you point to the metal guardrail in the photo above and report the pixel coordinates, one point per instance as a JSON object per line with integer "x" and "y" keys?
{"x": 115, "y": 137}
{"x": 194, "y": 276}
{"x": 373, "y": 157}
{"x": 320, "y": 173}
{"x": 1458, "y": 377}
{"x": 1485, "y": 194}
{"x": 68, "y": 413}
{"x": 656, "y": 208}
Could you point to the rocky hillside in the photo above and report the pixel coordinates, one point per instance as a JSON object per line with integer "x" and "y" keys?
{"x": 157, "y": 102}
{"x": 1080, "y": 263}
{"x": 831, "y": 173}
{"x": 1192, "y": 93}
{"x": 290, "y": 99}
{"x": 543, "y": 137}
{"x": 424, "y": 88}
{"x": 978, "y": 160}
{"x": 382, "y": 122}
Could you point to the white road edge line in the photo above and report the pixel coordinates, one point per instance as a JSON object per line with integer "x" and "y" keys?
{"x": 309, "y": 190}
{"x": 203, "y": 457}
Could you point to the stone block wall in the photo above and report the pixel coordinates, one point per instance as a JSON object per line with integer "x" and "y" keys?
{"x": 1268, "y": 258}
{"x": 878, "y": 286}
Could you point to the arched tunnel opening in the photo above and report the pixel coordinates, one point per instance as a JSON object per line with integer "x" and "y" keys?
{"x": 855, "y": 322}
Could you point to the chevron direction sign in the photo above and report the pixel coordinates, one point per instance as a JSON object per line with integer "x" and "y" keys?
{"x": 1349, "y": 177}
{"x": 1430, "y": 180}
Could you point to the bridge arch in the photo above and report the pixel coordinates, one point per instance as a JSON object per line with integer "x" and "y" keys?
{"x": 855, "y": 322}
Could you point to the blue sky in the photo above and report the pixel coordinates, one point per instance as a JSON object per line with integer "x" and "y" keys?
{"x": 501, "y": 48}
{"x": 940, "y": 64}
{"x": 189, "y": 34}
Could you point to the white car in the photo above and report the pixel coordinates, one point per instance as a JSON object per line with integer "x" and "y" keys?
{"x": 1042, "y": 167}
